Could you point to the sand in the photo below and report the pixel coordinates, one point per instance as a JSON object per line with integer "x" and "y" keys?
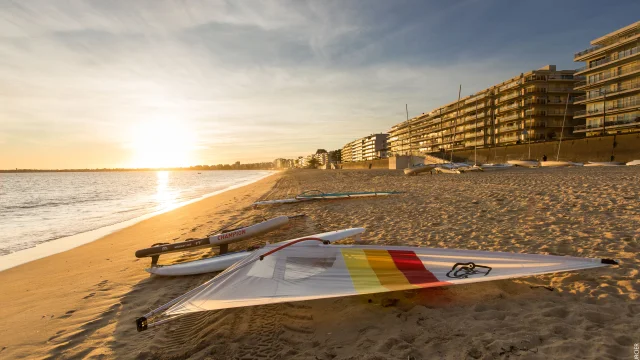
{"x": 82, "y": 303}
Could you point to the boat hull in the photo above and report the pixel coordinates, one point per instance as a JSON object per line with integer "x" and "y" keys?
{"x": 558, "y": 164}
{"x": 221, "y": 262}
{"x": 604, "y": 163}
{"x": 418, "y": 169}
{"x": 524, "y": 163}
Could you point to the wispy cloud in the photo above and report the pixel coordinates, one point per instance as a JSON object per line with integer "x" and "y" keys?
{"x": 254, "y": 79}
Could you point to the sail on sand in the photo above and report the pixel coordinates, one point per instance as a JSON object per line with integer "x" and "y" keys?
{"x": 297, "y": 271}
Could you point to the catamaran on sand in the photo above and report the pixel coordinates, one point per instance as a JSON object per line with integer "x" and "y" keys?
{"x": 311, "y": 268}
{"x": 312, "y": 195}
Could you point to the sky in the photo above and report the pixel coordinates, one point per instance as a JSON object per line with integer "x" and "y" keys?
{"x": 93, "y": 84}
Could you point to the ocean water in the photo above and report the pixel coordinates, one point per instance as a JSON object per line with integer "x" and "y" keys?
{"x": 37, "y": 208}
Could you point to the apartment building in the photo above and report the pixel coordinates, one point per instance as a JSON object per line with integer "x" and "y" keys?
{"x": 528, "y": 107}
{"x": 611, "y": 85}
{"x": 369, "y": 147}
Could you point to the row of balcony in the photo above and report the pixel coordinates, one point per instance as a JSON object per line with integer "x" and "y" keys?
{"x": 601, "y": 93}
{"x": 600, "y": 46}
{"x": 613, "y": 123}
{"x": 611, "y": 74}
{"x": 608, "y": 59}
{"x": 612, "y": 107}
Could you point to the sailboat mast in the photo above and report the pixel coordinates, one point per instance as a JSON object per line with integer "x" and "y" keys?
{"x": 455, "y": 122}
{"x": 562, "y": 131}
{"x": 475, "y": 149}
{"x": 529, "y": 133}
{"x": 406, "y": 108}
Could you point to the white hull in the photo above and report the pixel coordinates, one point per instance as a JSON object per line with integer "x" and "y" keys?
{"x": 604, "y": 163}
{"x": 524, "y": 163}
{"x": 415, "y": 170}
{"x": 633, "y": 163}
{"x": 558, "y": 164}
{"x": 492, "y": 167}
{"x": 221, "y": 262}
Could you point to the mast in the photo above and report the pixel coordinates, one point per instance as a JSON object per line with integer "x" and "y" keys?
{"x": 604, "y": 114}
{"x": 455, "y": 122}
{"x": 562, "y": 131}
{"x": 444, "y": 155}
{"x": 406, "y": 108}
{"x": 529, "y": 133}
{"x": 475, "y": 138}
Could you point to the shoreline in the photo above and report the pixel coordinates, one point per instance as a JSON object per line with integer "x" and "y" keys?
{"x": 59, "y": 245}
{"x": 74, "y": 288}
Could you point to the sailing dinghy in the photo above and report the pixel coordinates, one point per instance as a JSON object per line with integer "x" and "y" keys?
{"x": 222, "y": 240}
{"x": 319, "y": 195}
{"x": 309, "y": 268}
{"x": 221, "y": 262}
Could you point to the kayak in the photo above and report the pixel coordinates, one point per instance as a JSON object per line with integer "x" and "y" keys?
{"x": 221, "y": 262}
{"x": 214, "y": 240}
{"x": 318, "y": 195}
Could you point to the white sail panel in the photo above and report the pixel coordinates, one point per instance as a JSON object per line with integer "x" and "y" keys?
{"x": 324, "y": 271}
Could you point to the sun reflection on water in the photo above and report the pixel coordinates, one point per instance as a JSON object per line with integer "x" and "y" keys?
{"x": 164, "y": 196}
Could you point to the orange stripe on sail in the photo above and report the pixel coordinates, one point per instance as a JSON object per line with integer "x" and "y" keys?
{"x": 363, "y": 278}
{"x": 386, "y": 270}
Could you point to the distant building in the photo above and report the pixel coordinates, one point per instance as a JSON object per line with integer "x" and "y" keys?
{"x": 284, "y": 163}
{"x": 612, "y": 83}
{"x": 367, "y": 148}
{"x": 528, "y": 107}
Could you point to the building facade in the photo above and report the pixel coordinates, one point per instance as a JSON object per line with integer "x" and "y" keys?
{"x": 612, "y": 83}
{"x": 367, "y": 148}
{"x": 534, "y": 106}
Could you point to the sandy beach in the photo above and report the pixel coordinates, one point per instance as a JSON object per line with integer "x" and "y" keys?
{"x": 82, "y": 303}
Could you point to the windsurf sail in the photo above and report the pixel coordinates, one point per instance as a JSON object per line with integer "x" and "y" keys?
{"x": 319, "y": 195}
{"x": 285, "y": 273}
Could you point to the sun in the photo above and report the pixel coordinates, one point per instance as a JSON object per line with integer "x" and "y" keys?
{"x": 161, "y": 143}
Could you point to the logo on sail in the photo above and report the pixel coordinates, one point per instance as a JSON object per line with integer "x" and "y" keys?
{"x": 464, "y": 270}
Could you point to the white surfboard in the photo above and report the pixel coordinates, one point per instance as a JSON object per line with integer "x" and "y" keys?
{"x": 221, "y": 262}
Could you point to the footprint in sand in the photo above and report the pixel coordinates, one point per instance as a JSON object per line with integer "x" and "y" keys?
{"x": 67, "y": 314}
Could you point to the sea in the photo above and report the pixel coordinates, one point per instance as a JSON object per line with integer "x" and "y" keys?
{"x": 49, "y": 212}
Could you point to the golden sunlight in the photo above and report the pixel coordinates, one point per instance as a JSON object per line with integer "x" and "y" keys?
{"x": 162, "y": 144}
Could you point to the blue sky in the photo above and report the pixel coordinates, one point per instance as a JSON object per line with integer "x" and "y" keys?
{"x": 82, "y": 82}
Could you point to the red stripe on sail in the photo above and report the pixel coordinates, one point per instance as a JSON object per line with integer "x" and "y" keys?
{"x": 413, "y": 269}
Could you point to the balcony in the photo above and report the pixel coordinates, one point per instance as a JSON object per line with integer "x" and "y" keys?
{"x": 616, "y": 124}
{"x": 509, "y": 97}
{"x": 535, "y": 90}
{"x": 626, "y": 54}
{"x": 510, "y": 117}
{"x": 587, "y": 51}
{"x": 612, "y": 74}
{"x": 611, "y": 107}
{"x": 600, "y": 94}
{"x": 621, "y": 40}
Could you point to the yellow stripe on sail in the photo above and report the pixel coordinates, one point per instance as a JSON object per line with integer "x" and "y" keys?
{"x": 364, "y": 280}
{"x": 385, "y": 268}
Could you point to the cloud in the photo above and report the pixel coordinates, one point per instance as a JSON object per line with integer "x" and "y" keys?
{"x": 255, "y": 79}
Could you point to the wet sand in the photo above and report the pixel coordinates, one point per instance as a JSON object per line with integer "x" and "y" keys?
{"x": 82, "y": 303}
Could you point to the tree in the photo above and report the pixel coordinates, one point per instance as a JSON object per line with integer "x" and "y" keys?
{"x": 321, "y": 151}
{"x": 335, "y": 155}
{"x": 313, "y": 162}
